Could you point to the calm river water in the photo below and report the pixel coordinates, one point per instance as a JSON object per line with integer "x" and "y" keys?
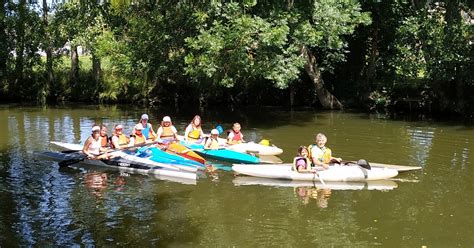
{"x": 42, "y": 205}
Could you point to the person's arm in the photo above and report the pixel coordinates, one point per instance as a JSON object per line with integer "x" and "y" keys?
{"x": 208, "y": 143}
{"x": 152, "y": 134}
{"x": 175, "y": 132}
{"x": 316, "y": 162}
{"x": 158, "y": 133}
{"x": 85, "y": 149}
{"x": 187, "y": 131}
{"x": 229, "y": 138}
{"x": 132, "y": 140}
{"x": 115, "y": 142}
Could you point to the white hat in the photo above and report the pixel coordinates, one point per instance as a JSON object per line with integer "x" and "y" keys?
{"x": 119, "y": 126}
{"x": 214, "y": 131}
{"x": 144, "y": 117}
{"x": 166, "y": 119}
{"x": 138, "y": 127}
{"x": 95, "y": 128}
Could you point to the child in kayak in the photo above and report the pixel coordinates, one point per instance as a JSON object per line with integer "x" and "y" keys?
{"x": 321, "y": 155}
{"x": 119, "y": 139}
{"x": 235, "y": 136}
{"x": 93, "y": 147}
{"x": 193, "y": 132}
{"x": 166, "y": 132}
{"x": 212, "y": 143}
{"x": 301, "y": 162}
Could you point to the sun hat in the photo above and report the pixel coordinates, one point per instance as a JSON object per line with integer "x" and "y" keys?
{"x": 166, "y": 119}
{"x": 144, "y": 117}
{"x": 214, "y": 131}
{"x": 95, "y": 128}
{"x": 138, "y": 127}
{"x": 119, "y": 126}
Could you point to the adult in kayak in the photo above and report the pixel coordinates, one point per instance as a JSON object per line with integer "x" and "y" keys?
{"x": 167, "y": 132}
{"x": 93, "y": 146}
{"x": 119, "y": 139}
{"x": 301, "y": 162}
{"x": 321, "y": 155}
{"x": 193, "y": 132}
{"x": 104, "y": 139}
{"x": 235, "y": 136}
{"x": 147, "y": 131}
{"x": 137, "y": 136}
{"x": 212, "y": 142}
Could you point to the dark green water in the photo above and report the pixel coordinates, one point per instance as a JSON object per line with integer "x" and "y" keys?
{"x": 41, "y": 205}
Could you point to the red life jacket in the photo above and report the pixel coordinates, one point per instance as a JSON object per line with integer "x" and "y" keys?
{"x": 237, "y": 136}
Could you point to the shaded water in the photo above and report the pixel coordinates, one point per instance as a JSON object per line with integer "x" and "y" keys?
{"x": 42, "y": 205}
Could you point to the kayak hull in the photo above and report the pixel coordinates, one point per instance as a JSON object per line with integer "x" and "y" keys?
{"x": 183, "y": 151}
{"x": 251, "y": 147}
{"x": 223, "y": 154}
{"x": 121, "y": 165}
{"x": 335, "y": 173}
{"x": 399, "y": 168}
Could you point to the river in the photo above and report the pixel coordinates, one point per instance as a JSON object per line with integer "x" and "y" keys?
{"x": 42, "y": 205}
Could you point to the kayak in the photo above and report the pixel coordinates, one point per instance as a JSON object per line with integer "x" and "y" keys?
{"x": 169, "y": 160}
{"x": 399, "y": 168}
{"x": 157, "y": 155}
{"x": 183, "y": 151}
{"x": 224, "y": 154}
{"x": 120, "y": 164}
{"x": 252, "y": 147}
{"x": 334, "y": 173}
{"x": 368, "y": 185}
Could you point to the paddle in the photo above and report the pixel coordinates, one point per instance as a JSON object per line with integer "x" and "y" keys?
{"x": 77, "y": 160}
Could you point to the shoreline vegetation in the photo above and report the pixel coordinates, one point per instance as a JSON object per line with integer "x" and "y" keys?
{"x": 408, "y": 56}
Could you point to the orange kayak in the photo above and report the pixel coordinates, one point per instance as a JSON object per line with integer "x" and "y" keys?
{"x": 183, "y": 151}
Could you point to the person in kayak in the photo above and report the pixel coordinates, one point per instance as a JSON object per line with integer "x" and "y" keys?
{"x": 321, "y": 155}
{"x": 137, "y": 136}
{"x": 104, "y": 139}
{"x": 166, "y": 132}
{"x": 147, "y": 131}
{"x": 212, "y": 142}
{"x": 193, "y": 132}
{"x": 301, "y": 162}
{"x": 93, "y": 148}
{"x": 235, "y": 136}
{"x": 119, "y": 139}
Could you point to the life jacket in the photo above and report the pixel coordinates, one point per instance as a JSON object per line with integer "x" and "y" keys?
{"x": 324, "y": 156}
{"x": 307, "y": 163}
{"x": 94, "y": 146}
{"x": 237, "y": 136}
{"x": 122, "y": 140}
{"x": 104, "y": 141}
{"x": 195, "y": 134}
{"x": 214, "y": 143}
{"x": 167, "y": 132}
{"x": 139, "y": 139}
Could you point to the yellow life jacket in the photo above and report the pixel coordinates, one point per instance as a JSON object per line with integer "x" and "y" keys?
{"x": 140, "y": 139}
{"x": 167, "y": 132}
{"x": 195, "y": 134}
{"x": 323, "y": 157}
{"x": 123, "y": 139}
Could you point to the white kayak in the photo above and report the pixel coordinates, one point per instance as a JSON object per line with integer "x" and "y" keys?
{"x": 121, "y": 165}
{"x": 252, "y": 147}
{"x": 337, "y": 173}
{"x": 399, "y": 168}
{"x": 122, "y": 154}
{"x": 366, "y": 185}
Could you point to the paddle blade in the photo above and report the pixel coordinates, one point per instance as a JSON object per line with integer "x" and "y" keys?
{"x": 364, "y": 164}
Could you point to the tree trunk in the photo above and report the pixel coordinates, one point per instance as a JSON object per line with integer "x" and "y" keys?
{"x": 44, "y": 91}
{"x": 327, "y": 100}
{"x": 20, "y": 48}
{"x": 96, "y": 73}
{"x": 3, "y": 45}
{"x": 74, "y": 73}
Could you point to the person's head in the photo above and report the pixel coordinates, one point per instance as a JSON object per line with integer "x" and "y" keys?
{"x": 303, "y": 151}
{"x": 118, "y": 129}
{"x": 144, "y": 118}
{"x": 103, "y": 130}
{"x": 321, "y": 140}
{"x": 166, "y": 121}
{"x": 214, "y": 133}
{"x": 196, "y": 121}
{"x": 95, "y": 131}
{"x": 138, "y": 129}
{"x": 236, "y": 127}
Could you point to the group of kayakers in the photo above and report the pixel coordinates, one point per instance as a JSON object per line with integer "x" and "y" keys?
{"x": 315, "y": 155}
{"x": 97, "y": 145}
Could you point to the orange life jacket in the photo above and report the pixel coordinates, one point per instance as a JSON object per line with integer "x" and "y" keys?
{"x": 104, "y": 141}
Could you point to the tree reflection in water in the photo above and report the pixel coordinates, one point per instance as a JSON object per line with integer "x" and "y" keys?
{"x": 320, "y": 195}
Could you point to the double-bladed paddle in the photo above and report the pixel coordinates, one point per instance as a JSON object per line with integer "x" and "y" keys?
{"x": 81, "y": 158}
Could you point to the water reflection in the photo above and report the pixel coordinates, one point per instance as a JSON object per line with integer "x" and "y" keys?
{"x": 320, "y": 195}
{"x": 96, "y": 182}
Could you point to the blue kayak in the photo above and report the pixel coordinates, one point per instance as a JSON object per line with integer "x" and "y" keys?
{"x": 223, "y": 154}
{"x": 157, "y": 155}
